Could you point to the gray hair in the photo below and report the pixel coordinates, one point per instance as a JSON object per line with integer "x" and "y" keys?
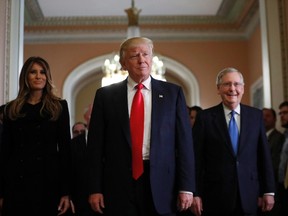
{"x": 224, "y": 72}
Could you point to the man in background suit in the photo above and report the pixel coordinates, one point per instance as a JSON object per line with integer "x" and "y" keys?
{"x": 78, "y": 128}
{"x": 283, "y": 166}
{"x": 1, "y": 122}
{"x": 193, "y": 113}
{"x": 229, "y": 180}
{"x": 168, "y": 155}
{"x": 275, "y": 140}
{"x": 79, "y": 194}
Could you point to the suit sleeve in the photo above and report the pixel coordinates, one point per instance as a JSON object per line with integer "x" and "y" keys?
{"x": 95, "y": 145}
{"x": 185, "y": 159}
{"x": 64, "y": 146}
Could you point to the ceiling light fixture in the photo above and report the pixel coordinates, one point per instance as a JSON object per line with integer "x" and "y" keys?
{"x": 112, "y": 68}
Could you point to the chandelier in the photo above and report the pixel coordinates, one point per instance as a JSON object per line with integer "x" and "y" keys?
{"x": 112, "y": 67}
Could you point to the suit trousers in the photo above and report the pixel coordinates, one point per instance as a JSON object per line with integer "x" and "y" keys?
{"x": 237, "y": 209}
{"x": 141, "y": 201}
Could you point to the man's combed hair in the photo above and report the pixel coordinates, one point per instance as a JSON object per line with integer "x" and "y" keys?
{"x": 132, "y": 42}
{"x": 51, "y": 103}
{"x": 284, "y": 103}
{"x": 224, "y": 72}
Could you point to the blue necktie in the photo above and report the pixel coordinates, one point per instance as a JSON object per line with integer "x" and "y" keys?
{"x": 233, "y": 131}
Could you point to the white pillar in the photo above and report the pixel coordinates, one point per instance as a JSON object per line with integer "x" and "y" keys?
{"x": 3, "y": 42}
{"x": 15, "y": 46}
{"x": 271, "y": 54}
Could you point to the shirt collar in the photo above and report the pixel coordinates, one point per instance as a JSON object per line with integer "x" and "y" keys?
{"x": 227, "y": 111}
{"x": 132, "y": 83}
{"x": 269, "y": 132}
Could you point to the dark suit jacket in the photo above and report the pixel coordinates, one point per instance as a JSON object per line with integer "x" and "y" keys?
{"x": 221, "y": 174}
{"x": 171, "y": 146}
{"x": 79, "y": 192}
{"x": 276, "y": 140}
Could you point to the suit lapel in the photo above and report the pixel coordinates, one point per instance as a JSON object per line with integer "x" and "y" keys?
{"x": 244, "y": 126}
{"x": 221, "y": 126}
{"x": 157, "y": 105}
{"x": 120, "y": 102}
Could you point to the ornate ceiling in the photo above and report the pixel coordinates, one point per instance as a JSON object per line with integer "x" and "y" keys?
{"x": 67, "y": 20}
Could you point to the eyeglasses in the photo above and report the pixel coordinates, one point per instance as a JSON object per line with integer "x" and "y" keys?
{"x": 230, "y": 84}
{"x": 283, "y": 112}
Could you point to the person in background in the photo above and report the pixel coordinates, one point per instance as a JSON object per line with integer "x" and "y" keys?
{"x": 283, "y": 190}
{"x": 2, "y": 113}
{"x": 122, "y": 182}
{"x": 79, "y": 128}
{"x": 87, "y": 114}
{"x": 35, "y": 166}
{"x": 1, "y": 123}
{"x": 275, "y": 140}
{"x": 79, "y": 194}
{"x": 233, "y": 160}
{"x": 193, "y": 113}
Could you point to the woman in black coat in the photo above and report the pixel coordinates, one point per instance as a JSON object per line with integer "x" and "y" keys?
{"x": 35, "y": 155}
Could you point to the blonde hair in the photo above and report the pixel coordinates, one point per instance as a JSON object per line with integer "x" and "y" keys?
{"x": 133, "y": 42}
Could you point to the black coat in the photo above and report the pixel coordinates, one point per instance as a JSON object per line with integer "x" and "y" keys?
{"x": 35, "y": 162}
{"x": 79, "y": 193}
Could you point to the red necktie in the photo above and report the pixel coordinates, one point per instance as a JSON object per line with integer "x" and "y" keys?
{"x": 137, "y": 130}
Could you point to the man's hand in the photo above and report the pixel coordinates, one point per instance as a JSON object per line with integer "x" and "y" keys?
{"x": 267, "y": 203}
{"x": 97, "y": 202}
{"x": 184, "y": 201}
{"x": 196, "y": 206}
{"x": 64, "y": 205}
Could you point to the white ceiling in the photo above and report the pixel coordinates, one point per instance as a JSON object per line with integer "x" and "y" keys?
{"x": 71, "y": 8}
{"x": 95, "y": 20}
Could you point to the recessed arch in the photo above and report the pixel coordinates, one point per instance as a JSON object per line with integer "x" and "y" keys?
{"x": 80, "y": 76}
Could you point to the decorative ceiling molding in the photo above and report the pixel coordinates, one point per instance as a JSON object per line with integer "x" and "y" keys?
{"x": 234, "y": 20}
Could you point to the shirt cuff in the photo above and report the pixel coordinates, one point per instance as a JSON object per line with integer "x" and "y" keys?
{"x": 269, "y": 194}
{"x": 186, "y": 192}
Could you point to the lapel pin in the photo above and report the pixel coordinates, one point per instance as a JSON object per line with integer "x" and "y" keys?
{"x": 160, "y": 96}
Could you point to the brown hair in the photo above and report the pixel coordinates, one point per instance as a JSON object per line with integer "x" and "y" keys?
{"x": 51, "y": 103}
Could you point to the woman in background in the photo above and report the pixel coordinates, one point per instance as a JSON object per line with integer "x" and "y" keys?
{"x": 35, "y": 155}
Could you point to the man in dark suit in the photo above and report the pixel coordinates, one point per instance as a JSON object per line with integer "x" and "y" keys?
{"x": 167, "y": 151}
{"x": 1, "y": 121}
{"x": 79, "y": 193}
{"x": 231, "y": 178}
{"x": 282, "y": 174}
{"x": 275, "y": 140}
